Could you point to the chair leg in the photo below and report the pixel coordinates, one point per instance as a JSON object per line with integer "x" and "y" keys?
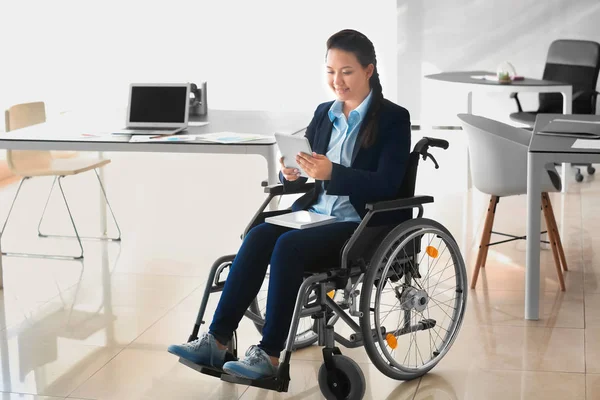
{"x": 552, "y": 239}
{"x": 114, "y": 239}
{"x": 46, "y": 206}
{"x": 485, "y": 238}
{"x": 58, "y": 257}
{"x": 561, "y": 251}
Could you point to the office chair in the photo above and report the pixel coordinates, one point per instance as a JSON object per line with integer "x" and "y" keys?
{"x": 499, "y": 168}
{"x": 575, "y": 62}
{"x": 32, "y": 163}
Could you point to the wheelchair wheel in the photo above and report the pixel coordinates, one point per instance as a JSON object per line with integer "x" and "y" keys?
{"x": 350, "y": 383}
{"x": 413, "y": 299}
{"x": 306, "y": 334}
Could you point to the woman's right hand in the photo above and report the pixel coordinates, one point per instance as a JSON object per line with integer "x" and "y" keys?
{"x": 290, "y": 174}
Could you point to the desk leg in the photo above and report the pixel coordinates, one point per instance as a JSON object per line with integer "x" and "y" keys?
{"x": 532, "y": 266}
{"x": 567, "y": 109}
{"x": 469, "y": 111}
{"x": 272, "y": 165}
{"x": 270, "y": 155}
{"x": 103, "y": 226}
{"x": 1, "y": 273}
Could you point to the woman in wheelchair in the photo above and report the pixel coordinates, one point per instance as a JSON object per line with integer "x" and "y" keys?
{"x": 361, "y": 144}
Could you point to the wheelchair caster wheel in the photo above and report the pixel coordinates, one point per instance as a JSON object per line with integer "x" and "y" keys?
{"x": 579, "y": 177}
{"x": 591, "y": 170}
{"x": 346, "y": 381}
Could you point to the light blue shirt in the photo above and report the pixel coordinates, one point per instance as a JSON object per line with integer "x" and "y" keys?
{"x": 341, "y": 146}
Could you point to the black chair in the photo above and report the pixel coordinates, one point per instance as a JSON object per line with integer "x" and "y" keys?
{"x": 575, "y": 62}
{"x": 388, "y": 266}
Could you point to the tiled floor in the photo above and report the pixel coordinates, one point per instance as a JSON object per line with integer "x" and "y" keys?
{"x": 99, "y": 329}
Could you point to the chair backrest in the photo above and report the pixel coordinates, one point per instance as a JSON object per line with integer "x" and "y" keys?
{"x": 576, "y": 62}
{"x": 21, "y": 116}
{"x": 498, "y": 157}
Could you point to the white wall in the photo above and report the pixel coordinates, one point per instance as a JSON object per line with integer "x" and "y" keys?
{"x": 441, "y": 35}
{"x": 264, "y": 54}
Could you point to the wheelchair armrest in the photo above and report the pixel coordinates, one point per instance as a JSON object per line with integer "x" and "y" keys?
{"x": 398, "y": 204}
{"x": 278, "y": 189}
{"x": 515, "y": 96}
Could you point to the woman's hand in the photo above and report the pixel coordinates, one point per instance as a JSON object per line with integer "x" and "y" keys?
{"x": 316, "y": 166}
{"x": 290, "y": 174}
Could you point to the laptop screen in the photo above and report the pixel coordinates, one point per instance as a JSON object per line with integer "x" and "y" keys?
{"x": 158, "y": 104}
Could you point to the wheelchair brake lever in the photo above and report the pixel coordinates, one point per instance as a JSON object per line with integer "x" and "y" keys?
{"x": 437, "y": 166}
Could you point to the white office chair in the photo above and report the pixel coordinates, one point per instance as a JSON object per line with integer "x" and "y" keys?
{"x": 30, "y": 163}
{"x": 498, "y": 161}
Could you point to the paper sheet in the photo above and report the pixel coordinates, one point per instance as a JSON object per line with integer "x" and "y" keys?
{"x": 486, "y": 77}
{"x": 151, "y": 138}
{"x": 586, "y": 144}
{"x": 230, "y": 137}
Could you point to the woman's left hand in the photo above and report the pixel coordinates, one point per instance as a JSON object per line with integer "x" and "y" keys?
{"x": 316, "y": 166}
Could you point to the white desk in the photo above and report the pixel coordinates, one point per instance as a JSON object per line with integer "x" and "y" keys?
{"x": 66, "y": 134}
{"x": 463, "y": 80}
{"x": 542, "y": 150}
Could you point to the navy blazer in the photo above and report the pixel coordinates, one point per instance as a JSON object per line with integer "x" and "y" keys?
{"x": 376, "y": 173}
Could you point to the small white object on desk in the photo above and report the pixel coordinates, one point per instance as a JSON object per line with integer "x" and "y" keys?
{"x": 301, "y": 219}
{"x": 198, "y": 123}
{"x": 586, "y": 144}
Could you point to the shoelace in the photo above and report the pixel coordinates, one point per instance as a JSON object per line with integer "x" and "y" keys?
{"x": 196, "y": 344}
{"x": 253, "y": 355}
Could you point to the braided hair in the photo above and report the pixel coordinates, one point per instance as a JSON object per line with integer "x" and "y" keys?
{"x": 355, "y": 42}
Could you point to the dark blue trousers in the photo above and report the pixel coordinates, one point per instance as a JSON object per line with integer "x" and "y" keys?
{"x": 289, "y": 252}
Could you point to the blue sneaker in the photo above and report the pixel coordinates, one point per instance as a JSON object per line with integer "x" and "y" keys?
{"x": 203, "y": 351}
{"x": 256, "y": 365}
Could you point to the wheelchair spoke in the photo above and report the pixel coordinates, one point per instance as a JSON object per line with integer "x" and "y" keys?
{"x": 419, "y": 276}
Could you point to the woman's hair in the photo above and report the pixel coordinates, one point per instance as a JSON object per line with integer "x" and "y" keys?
{"x": 355, "y": 42}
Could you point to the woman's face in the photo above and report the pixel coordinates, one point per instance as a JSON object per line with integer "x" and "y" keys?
{"x": 346, "y": 77}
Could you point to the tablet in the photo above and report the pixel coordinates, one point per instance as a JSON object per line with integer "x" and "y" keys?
{"x": 290, "y": 146}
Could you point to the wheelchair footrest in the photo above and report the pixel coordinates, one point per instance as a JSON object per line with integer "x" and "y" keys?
{"x": 216, "y": 372}
{"x": 275, "y": 383}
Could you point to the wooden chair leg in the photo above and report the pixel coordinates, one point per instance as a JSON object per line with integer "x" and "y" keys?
{"x": 485, "y": 239}
{"x": 561, "y": 251}
{"x": 552, "y": 239}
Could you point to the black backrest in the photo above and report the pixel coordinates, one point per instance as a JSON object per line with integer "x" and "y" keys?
{"x": 410, "y": 177}
{"x": 576, "y": 62}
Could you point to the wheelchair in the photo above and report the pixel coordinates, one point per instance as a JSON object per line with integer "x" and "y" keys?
{"x": 402, "y": 278}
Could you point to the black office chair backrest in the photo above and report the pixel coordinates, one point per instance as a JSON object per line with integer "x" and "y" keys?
{"x": 576, "y": 62}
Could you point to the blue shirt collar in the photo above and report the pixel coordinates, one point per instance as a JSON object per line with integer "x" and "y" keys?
{"x": 336, "y": 109}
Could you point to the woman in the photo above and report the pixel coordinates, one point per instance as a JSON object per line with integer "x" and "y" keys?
{"x": 361, "y": 144}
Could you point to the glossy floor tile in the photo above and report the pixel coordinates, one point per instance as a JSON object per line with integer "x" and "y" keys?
{"x": 99, "y": 329}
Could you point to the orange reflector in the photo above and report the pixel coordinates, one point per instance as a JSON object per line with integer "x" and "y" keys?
{"x": 331, "y": 294}
{"x": 432, "y": 251}
{"x": 391, "y": 341}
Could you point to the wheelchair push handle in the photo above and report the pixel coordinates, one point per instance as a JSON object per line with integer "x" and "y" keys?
{"x": 422, "y": 147}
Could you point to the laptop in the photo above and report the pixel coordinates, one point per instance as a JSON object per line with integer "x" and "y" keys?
{"x": 157, "y": 109}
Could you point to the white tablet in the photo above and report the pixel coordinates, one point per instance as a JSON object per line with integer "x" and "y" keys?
{"x": 290, "y": 146}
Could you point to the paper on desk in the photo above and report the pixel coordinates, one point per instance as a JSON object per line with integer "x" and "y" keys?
{"x": 586, "y": 144}
{"x": 153, "y": 138}
{"x": 230, "y": 137}
{"x": 486, "y": 77}
{"x": 198, "y": 123}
